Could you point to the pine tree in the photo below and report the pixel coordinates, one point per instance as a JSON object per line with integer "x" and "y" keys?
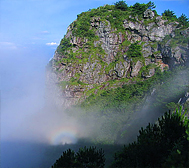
{"x": 183, "y": 20}
{"x": 85, "y": 157}
{"x": 164, "y": 144}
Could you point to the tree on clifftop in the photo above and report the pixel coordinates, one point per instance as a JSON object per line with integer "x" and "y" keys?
{"x": 121, "y": 5}
{"x": 151, "y": 5}
{"x": 169, "y": 14}
{"x": 183, "y": 20}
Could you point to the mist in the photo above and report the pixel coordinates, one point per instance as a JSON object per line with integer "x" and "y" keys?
{"x": 151, "y": 109}
{"x": 32, "y": 120}
{"x": 22, "y": 81}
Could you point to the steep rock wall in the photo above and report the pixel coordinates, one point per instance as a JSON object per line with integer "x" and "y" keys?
{"x": 86, "y": 63}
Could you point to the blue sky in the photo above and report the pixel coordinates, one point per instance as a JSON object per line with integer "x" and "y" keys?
{"x": 30, "y": 31}
{"x": 30, "y": 23}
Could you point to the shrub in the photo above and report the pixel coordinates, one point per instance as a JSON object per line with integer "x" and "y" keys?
{"x": 67, "y": 159}
{"x": 183, "y": 20}
{"x": 139, "y": 9}
{"x": 170, "y": 15}
{"x": 85, "y": 157}
{"x": 163, "y": 144}
{"x": 121, "y": 5}
{"x": 151, "y": 5}
{"x": 64, "y": 45}
{"x": 135, "y": 50}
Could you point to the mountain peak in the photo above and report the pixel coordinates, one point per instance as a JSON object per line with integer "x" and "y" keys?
{"x": 116, "y": 43}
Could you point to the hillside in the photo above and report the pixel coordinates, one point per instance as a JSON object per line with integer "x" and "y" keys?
{"x": 111, "y": 44}
{"x": 118, "y": 64}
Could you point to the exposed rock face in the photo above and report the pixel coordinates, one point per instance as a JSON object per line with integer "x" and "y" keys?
{"x": 184, "y": 99}
{"x": 121, "y": 68}
{"x": 149, "y": 14}
{"x": 177, "y": 55}
{"x": 148, "y": 74}
{"x": 136, "y": 69}
{"x": 113, "y": 63}
{"x": 154, "y": 31}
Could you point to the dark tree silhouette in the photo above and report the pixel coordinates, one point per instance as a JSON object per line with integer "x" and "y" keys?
{"x": 67, "y": 159}
{"x": 151, "y": 5}
{"x": 183, "y": 20}
{"x": 164, "y": 144}
{"x": 121, "y": 5}
{"x": 169, "y": 14}
{"x": 85, "y": 157}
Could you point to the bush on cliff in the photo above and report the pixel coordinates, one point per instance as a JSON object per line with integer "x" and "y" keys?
{"x": 121, "y": 5}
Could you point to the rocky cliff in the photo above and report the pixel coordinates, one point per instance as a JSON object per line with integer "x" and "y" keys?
{"x": 102, "y": 50}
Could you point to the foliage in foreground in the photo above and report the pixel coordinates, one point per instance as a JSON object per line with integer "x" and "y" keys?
{"x": 164, "y": 144}
{"x": 85, "y": 157}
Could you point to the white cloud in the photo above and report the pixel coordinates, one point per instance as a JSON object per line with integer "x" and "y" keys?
{"x": 52, "y": 44}
{"x": 7, "y": 45}
{"x": 37, "y": 38}
{"x": 45, "y": 32}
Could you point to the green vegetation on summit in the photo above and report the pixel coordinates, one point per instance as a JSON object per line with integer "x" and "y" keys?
{"x": 85, "y": 43}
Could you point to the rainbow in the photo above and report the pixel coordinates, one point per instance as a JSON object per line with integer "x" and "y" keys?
{"x": 63, "y": 135}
